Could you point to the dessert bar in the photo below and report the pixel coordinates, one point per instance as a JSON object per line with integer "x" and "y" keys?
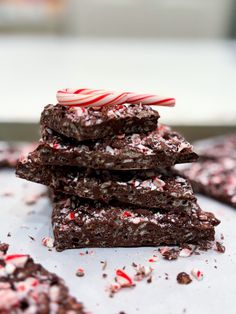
{"x": 88, "y": 123}
{"x": 143, "y": 188}
{"x": 27, "y": 287}
{"x": 84, "y": 223}
{"x": 161, "y": 147}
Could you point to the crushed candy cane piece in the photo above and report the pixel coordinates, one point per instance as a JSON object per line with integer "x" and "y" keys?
{"x": 48, "y": 242}
{"x": 80, "y": 272}
{"x": 71, "y": 216}
{"x": 123, "y": 278}
{"x": 185, "y": 252}
{"x": 197, "y": 273}
{"x": 18, "y": 260}
{"x": 142, "y": 272}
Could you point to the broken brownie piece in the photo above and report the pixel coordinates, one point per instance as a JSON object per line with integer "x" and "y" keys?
{"x": 80, "y": 223}
{"x": 215, "y": 178}
{"x": 27, "y": 287}
{"x": 161, "y": 147}
{"x": 88, "y": 123}
{"x": 143, "y": 188}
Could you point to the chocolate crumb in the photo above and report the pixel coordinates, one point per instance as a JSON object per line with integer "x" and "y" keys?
{"x": 222, "y": 236}
{"x": 4, "y": 247}
{"x": 104, "y": 266}
{"x": 183, "y": 278}
{"x": 32, "y": 238}
{"x": 219, "y": 247}
{"x": 80, "y": 272}
{"x": 215, "y": 267}
{"x": 9, "y": 234}
{"x": 171, "y": 254}
{"x": 149, "y": 280}
{"x": 104, "y": 275}
{"x": 134, "y": 265}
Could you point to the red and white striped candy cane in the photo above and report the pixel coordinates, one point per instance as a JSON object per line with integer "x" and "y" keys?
{"x": 86, "y": 97}
{"x": 90, "y": 98}
{"x": 149, "y": 99}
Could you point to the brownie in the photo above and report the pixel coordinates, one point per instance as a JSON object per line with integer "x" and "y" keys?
{"x": 215, "y": 178}
{"x": 142, "y": 188}
{"x": 159, "y": 148}
{"x": 10, "y": 152}
{"x": 88, "y": 123}
{"x": 27, "y": 287}
{"x": 80, "y": 223}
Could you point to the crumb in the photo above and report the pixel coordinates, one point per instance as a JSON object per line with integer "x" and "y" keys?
{"x": 9, "y": 234}
{"x": 149, "y": 280}
{"x": 48, "y": 242}
{"x": 183, "y": 278}
{"x": 104, "y": 275}
{"x": 32, "y": 238}
{"x": 222, "y": 236}
{"x": 4, "y": 247}
{"x": 197, "y": 273}
{"x": 134, "y": 265}
{"x": 80, "y": 272}
{"x": 171, "y": 254}
{"x": 31, "y": 199}
{"x": 104, "y": 266}
{"x": 215, "y": 267}
{"x": 142, "y": 272}
{"x": 219, "y": 247}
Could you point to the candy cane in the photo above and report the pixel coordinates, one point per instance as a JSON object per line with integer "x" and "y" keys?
{"x": 86, "y": 97}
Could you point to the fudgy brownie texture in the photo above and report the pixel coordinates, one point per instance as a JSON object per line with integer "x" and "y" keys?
{"x": 215, "y": 178}
{"x": 10, "y": 152}
{"x": 87, "y": 123}
{"x": 27, "y": 287}
{"x": 85, "y": 223}
{"x": 144, "y": 188}
{"x": 160, "y": 148}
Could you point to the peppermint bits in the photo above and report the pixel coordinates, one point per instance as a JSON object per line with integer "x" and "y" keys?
{"x": 197, "y": 273}
{"x": 48, "y": 242}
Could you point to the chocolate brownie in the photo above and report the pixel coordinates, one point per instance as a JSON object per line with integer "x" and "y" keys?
{"x": 161, "y": 147}
{"x": 143, "y": 188}
{"x": 88, "y": 123}
{"x": 215, "y": 178}
{"x": 85, "y": 223}
{"x": 27, "y": 287}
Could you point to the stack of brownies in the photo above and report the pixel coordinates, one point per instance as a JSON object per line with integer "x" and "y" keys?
{"x": 109, "y": 172}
